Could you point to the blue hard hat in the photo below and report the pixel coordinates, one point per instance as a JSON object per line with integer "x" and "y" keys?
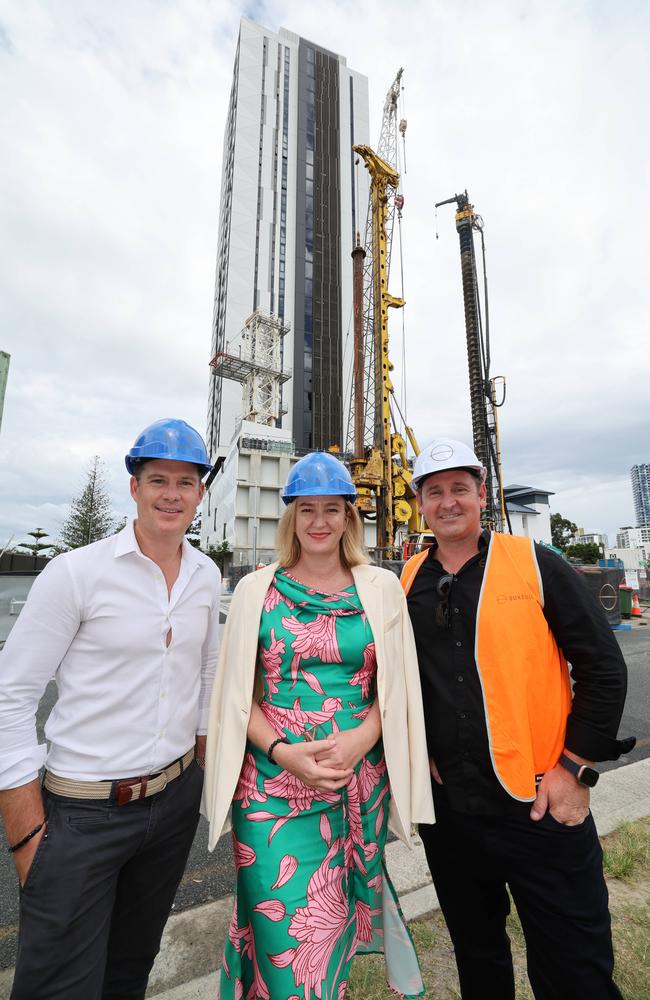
{"x": 319, "y": 475}
{"x": 171, "y": 439}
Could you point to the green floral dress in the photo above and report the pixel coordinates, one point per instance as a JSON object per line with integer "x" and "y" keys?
{"x": 312, "y": 886}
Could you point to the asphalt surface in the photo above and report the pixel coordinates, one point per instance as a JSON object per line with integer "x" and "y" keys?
{"x": 209, "y": 877}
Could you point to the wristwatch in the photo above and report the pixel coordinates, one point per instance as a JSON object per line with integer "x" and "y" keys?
{"x": 582, "y": 772}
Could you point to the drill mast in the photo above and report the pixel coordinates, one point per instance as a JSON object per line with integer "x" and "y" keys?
{"x": 484, "y": 392}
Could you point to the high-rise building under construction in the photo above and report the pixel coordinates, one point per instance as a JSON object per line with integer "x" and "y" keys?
{"x": 286, "y": 230}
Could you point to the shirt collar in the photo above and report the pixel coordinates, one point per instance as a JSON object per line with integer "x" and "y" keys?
{"x": 483, "y": 543}
{"x": 125, "y": 542}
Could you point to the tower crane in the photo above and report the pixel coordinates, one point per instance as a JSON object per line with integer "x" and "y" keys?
{"x": 486, "y": 394}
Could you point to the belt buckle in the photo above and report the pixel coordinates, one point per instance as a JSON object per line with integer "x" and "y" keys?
{"x": 124, "y": 790}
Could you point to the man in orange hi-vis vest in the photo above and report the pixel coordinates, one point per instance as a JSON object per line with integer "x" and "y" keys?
{"x": 511, "y": 741}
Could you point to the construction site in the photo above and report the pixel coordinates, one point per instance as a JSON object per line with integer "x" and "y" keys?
{"x": 370, "y": 433}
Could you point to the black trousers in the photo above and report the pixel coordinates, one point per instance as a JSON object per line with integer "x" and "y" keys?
{"x": 99, "y": 891}
{"x": 555, "y": 876}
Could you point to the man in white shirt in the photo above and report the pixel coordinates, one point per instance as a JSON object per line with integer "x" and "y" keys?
{"x": 129, "y": 627}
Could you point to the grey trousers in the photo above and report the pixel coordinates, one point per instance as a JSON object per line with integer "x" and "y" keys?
{"x": 99, "y": 891}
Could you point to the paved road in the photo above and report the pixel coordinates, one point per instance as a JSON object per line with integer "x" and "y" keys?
{"x": 210, "y": 876}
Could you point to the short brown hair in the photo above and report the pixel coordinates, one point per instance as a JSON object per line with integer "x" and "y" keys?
{"x": 351, "y": 546}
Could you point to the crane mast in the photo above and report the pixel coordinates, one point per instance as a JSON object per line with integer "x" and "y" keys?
{"x": 483, "y": 390}
{"x": 381, "y": 482}
{"x": 387, "y": 152}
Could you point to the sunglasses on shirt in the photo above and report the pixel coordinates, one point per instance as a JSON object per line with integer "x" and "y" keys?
{"x": 443, "y": 590}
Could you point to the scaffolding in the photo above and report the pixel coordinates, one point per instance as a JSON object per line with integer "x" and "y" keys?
{"x": 257, "y": 365}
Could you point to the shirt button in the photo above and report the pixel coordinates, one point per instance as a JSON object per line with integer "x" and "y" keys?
{"x": 459, "y": 643}
{"x": 461, "y": 715}
{"x": 456, "y": 611}
{"x": 460, "y": 678}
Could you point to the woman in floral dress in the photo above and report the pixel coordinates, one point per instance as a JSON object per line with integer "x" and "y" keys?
{"x": 310, "y": 810}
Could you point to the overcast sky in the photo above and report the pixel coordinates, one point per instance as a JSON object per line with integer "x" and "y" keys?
{"x": 111, "y": 132}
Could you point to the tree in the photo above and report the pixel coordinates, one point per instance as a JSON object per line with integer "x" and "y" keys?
{"x": 90, "y": 516}
{"x": 218, "y": 553}
{"x": 562, "y": 531}
{"x": 588, "y": 552}
{"x": 193, "y": 532}
{"x": 37, "y": 545}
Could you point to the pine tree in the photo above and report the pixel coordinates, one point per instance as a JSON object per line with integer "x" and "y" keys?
{"x": 37, "y": 545}
{"x": 90, "y": 516}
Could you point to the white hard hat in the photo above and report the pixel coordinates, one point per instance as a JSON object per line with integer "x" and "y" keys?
{"x": 441, "y": 454}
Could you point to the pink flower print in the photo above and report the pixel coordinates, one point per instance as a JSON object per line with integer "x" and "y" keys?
{"x": 379, "y": 821}
{"x": 247, "y": 789}
{"x": 365, "y": 674}
{"x": 364, "y": 922}
{"x": 283, "y": 958}
{"x": 287, "y": 870}
{"x": 342, "y": 990}
{"x": 234, "y": 934}
{"x": 354, "y": 836}
{"x": 315, "y": 638}
{"x": 239, "y": 989}
{"x": 293, "y": 719}
{"x": 244, "y": 855}
{"x": 299, "y": 796}
{"x": 325, "y": 829}
{"x": 320, "y": 924}
{"x": 243, "y": 941}
{"x": 369, "y": 777}
{"x": 271, "y": 661}
{"x": 273, "y": 598}
{"x": 274, "y": 909}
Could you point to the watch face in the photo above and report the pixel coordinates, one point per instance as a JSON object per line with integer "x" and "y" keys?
{"x": 589, "y": 777}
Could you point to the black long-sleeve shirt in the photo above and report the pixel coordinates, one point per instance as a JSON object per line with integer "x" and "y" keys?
{"x": 453, "y": 703}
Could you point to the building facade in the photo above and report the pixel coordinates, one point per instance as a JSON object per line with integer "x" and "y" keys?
{"x": 640, "y": 475}
{"x": 632, "y": 538}
{"x": 529, "y": 512}
{"x": 289, "y": 201}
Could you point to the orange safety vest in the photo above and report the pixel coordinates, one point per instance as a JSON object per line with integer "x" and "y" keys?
{"x": 524, "y": 676}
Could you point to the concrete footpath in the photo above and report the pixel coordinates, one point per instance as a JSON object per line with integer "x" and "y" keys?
{"x": 193, "y": 940}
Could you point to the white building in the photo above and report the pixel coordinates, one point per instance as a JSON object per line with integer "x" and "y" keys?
{"x": 529, "y": 512}
{"x": 630, "y": 538}
{"x": 590, "y": 538}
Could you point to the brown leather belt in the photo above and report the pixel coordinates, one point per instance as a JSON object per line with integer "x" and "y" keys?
{"x": 125, "y": 790}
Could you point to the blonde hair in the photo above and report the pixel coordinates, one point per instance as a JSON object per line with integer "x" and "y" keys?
{"x": 351, "y": 547}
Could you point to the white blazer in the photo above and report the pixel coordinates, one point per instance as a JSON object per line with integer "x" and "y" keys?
{"x": 398, "y": 693}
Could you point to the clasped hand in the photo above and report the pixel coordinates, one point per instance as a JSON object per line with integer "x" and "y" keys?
{"x": 317, "y": 764}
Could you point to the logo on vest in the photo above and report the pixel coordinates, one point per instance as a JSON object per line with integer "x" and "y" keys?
{"x": 508, "y": 598}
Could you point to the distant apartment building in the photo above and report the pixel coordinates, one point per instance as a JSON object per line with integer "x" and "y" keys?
{"x": 640, "y": 475}
{"x": 590, "y": 538}
{"x": 632, "y": 538}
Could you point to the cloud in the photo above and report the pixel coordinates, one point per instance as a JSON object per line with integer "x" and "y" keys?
{"x": 112, "y": 129}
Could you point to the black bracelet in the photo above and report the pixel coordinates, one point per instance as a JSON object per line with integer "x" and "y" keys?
{"x": 25, "y": 840}
{"x": 269, "y": 752}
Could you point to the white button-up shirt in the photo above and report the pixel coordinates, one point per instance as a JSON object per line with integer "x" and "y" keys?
{"x": 97, "y": 619}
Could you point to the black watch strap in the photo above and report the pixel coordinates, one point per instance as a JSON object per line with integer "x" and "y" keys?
{"x": 582, "y": 772}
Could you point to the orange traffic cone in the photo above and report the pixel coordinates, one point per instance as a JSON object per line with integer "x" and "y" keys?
{"x": 636, "y": 609}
